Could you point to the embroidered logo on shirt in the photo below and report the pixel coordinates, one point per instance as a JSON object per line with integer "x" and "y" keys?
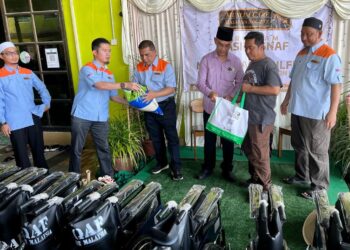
{"x": 314, "y": 61}
{"x": 229, "y": 69}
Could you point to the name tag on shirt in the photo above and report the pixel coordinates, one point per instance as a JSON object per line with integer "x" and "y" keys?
{"x": 315, "y": 61}
{"x": 26, "y": 78}
{"x": 157, "y": 72}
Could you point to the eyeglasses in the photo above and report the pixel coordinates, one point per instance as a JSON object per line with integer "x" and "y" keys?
{"x": 10, "y": 53}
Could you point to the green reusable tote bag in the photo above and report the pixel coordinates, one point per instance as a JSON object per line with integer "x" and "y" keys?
{"x": 228, "y": 120}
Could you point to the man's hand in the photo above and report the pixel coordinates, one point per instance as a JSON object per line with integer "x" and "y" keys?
{"x": 331, "y": 119}
{"x": 228, "y": 98}
{"x": 212, "y": 96}
{"x": 132, "y": 86}
{"x": 284, "y": 107}
{"x": 5, "y": 129}
{"x": 247, "y": 87}
{"x": 119, "y": 99}
{"x": 149, "y": 96}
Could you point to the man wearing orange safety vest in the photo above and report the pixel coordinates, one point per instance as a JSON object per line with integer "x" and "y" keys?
{"x": 159, "y": 77}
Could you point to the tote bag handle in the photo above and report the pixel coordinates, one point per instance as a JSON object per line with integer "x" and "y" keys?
{"x": 242, "y": 99}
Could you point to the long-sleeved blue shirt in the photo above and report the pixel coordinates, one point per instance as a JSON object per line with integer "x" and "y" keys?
{"x": 17, "y": 97}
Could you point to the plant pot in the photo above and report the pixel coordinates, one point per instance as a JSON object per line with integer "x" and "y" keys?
{"x": 123, "y": 164}
{"x": 148, "y": 147}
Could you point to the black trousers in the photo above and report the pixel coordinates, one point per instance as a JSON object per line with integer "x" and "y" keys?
{"x": 210, "y": 149}
{"x": 32, "y": 135}
{"x": 160, "y": 125}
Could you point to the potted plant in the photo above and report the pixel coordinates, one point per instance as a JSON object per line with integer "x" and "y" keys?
{"x": 125, "y": 140}
{"x": 340, "y": 140}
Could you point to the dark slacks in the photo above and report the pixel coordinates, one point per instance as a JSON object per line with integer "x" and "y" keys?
{"x": 310, "y": 139}
{"x": 99, "y": 132}
{"x": 210, "y": 149}
{"x": 256, "y": 146}
{"x": 32, "y": 135}
{"x": 157, "y": 127}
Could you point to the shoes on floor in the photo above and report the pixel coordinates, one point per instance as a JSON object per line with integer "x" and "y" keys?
{"x": 177, "y": 176}
{"x": 295, "y": 180}
{"x": 106, "y": 179}
{"x": 157, "y": 169}
{"x": 205, "y": 173}
{"x": 228, "y": 176}
{"x": 9, "y": 158}
{"x": 307, "y": 195}
{"x": 52, "y": 148}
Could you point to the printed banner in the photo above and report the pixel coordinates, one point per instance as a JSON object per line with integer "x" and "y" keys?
{"x": 282, "y": 34}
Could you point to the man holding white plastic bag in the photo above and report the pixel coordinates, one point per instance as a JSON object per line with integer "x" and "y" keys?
{"x": 262, "y": 84}
{"x": 220, "y": 75}
{"x": 159, "y": 77}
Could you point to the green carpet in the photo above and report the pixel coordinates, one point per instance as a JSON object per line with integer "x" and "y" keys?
{"x": 235, "y": 205}
{"x": 4, "y": 140}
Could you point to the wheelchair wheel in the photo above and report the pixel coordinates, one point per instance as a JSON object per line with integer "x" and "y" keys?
{"x": 143, "y": 243}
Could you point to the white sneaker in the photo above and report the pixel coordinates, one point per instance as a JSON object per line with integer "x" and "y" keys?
{"x": 106, "y": 179}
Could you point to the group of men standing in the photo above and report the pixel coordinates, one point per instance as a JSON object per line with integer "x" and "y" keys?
{"x": 20, "y": 116}
{"x": 221, "y": 74}
{"x": 312, "y": 98}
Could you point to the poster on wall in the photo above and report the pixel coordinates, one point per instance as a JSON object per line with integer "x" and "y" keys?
{"x": 282, "y": 34}
{"x": 52, "y": 61}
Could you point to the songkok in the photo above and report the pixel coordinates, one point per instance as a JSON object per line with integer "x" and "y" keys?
{"x": 6, "y": 45}
{"x": 224, "y": 34}
{"x": 313, "y": 23}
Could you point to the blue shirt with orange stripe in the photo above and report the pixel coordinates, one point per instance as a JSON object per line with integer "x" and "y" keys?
{"x": 17, "y": 98}
{"x": 157, "y": 77}
{"x": 91, "y": 103}
{"x": 313, "y": 73}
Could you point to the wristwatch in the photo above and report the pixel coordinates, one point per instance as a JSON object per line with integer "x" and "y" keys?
{"x": 122, "y": 85}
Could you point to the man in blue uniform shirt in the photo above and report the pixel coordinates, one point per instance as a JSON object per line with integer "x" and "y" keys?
{"x": 312, "y": 98}
{"x": 159, "y": 77}
{"x": 90, "y": 109}
{"x": 19, "y": 115}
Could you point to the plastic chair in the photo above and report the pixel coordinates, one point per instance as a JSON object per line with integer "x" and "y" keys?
{"x": 196, "y": 106}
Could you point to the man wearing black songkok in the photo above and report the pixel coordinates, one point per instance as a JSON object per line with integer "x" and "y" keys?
{"x": 220, "y": 74}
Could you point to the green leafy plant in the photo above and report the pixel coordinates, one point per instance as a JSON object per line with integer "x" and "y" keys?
{"x": 340, "y": 140}
{"x": 125, "y": 140}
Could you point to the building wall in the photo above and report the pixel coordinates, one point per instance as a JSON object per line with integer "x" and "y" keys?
{"x": 93, "y": 20}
